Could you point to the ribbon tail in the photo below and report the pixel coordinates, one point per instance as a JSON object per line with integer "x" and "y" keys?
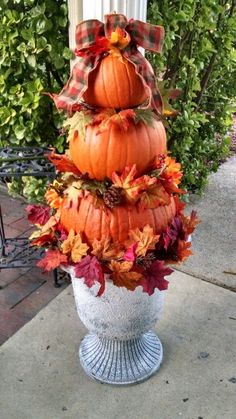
{"x": 71, "y": 94}
{"x": 145, "y": 71}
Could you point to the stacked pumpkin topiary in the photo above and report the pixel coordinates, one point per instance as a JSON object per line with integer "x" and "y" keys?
{"x": 114, "y": 211}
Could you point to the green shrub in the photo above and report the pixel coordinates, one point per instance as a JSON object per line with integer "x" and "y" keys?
{"x": 33, "y": 59}
{"x": 199, "y": 57}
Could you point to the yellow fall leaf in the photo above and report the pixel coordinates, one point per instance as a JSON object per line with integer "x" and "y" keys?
{"x": 146, "y": 239}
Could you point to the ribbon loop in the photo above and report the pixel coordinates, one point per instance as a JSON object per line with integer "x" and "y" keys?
{"x": 147, "y": 36}
{"x": 87, "y": 33}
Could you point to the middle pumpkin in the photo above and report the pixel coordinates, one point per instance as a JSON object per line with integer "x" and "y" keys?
{"x": 101, "y": 154}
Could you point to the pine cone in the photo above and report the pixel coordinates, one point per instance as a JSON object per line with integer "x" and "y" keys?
{"x": 112, "y": 197}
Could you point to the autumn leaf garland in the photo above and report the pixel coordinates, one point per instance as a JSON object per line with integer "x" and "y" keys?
{"x": 148, "y": 191}
{"x": 140, "y": 261}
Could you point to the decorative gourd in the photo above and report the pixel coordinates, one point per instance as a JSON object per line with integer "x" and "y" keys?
{"x": 115, "y": 84}
{"x": 100, "y": 155}
{"x": 95, "y": 223}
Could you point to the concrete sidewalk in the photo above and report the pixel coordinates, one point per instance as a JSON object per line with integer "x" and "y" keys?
{"x": 214, "y": 241}
{"x": 41, "y": 377}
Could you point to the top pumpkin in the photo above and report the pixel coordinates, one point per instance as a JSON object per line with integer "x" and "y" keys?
{"x": 115, "y": 84}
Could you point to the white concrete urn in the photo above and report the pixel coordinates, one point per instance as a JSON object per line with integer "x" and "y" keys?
{"x": 121, "y": 347}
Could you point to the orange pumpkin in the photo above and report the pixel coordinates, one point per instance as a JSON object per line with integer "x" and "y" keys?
{"x": 95, "y": 223}
{"x": 112, "y": 150}
{"x": 115, "y": 84}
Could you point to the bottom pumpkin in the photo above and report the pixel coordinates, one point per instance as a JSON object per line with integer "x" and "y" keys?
{"x": 96, "y": 223}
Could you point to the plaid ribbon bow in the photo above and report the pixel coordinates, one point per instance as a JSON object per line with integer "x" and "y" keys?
{"x": 88, "y": 34}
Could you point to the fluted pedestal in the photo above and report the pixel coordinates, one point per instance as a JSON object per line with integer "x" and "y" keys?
{"x": 121, "y": 362}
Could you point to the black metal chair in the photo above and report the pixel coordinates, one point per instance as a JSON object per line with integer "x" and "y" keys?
{"x": 17, "y": 252}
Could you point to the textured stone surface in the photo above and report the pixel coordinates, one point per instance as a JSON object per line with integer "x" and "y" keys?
{"x": 118, "y": 313}
{"x": 41, "y": 377}
{"x": 214, "y": 242}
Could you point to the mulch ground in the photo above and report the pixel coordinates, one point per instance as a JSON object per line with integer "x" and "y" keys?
{"x": 25, "y": 291}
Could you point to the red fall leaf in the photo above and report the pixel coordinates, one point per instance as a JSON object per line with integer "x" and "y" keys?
{"x": 63, "y": 163}
{"x": 51, "y": 260}
{"x": 38, "y": 214}
{"x": 183, "y": 250}
{"x": 91, "y": 270}
{"x": 154, "y": 277}
{"x": 190, "y": 222}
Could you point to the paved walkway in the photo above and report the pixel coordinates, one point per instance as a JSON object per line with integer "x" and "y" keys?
{"x": 23, "y": 292}
{"x": 214, "y": 242}
{"x": 41, "y": 377}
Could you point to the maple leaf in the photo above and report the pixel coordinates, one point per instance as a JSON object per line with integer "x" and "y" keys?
{"x": 179, "y": 205}
{"x": 145, "y": 239}
{"x": 67, "y": 245}
{"x": 79, "y": 249}
{"x": 107, "y": 118}
{"x": 38, "y": 214}
{"x": 73, "y": 193}
{"x": 103, "y": 117}
{"x": 63, "y": 163}
{"x": 106, "y": 250}
{"x": 126, "y": 177}
{"x": 169, "y": 236}
{"x": 154, "y": 196}
{"x": 133, "y": 188}
{"x": 173, "y": 232}
{"x": 170, "y": 187}
{"x": 130, "y": 254}
{"x": 122, "y": 275}
{"x": 74, "y": 245}
{"x": 51, "y": 260}
{"x": 154, "y": 277}
{"x": 190, "y": 222}
{"x": 53, "y": 199}
{"x": 172, "y": 170}
{"x": 123, "y": 118}
{"x": 91, "y": 270}
{"x": 43, "y": 240}
{"x": 51, "y": 223}
{"x": 183, "y": 250}
{"x": 77, "y": 124}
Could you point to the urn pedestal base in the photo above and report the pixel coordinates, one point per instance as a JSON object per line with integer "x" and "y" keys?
{"x": 121, "y": 362}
